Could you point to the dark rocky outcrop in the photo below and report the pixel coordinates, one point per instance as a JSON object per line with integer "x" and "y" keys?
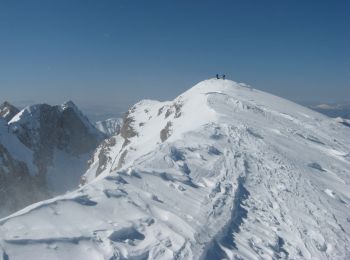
{"x": 103, "y": 158}
{"x": 127, "y": 131}
{"x": 165, "y": 132}
{"x": 8, "y": 111}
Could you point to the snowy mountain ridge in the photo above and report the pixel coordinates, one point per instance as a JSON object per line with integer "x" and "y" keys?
{"x": 222, "y": 171}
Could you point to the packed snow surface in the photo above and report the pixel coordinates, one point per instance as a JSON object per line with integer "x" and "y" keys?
{"x": 223, "y": 171}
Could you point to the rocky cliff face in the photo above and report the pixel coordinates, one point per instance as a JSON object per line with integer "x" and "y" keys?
{"x": 44, "y": 129}
{"x": 18, "y": 186}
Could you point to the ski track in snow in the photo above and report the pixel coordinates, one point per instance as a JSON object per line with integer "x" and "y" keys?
{"x": 242, "y": 175}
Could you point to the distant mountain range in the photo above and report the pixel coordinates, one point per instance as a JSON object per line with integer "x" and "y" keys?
{"x": 110, "y": 126}
{"x": 333, "y": 110}
{"x": 43, "y": 150}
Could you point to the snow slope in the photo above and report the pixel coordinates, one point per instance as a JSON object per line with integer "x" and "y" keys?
{"x": 223, "y": 171}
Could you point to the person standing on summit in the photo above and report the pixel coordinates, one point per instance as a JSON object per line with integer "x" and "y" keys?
{"x": 223, "y": 76}
{"x": 217, "y": 76}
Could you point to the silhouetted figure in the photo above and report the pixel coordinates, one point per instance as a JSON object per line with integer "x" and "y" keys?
{"x": 217, "y": 76}
{"x": 223, "y": 76}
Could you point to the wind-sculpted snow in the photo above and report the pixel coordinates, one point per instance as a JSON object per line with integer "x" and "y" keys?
{"x": 241, "y": 175}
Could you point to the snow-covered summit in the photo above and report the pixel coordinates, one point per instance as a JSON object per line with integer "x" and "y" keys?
{"x": 69, "y": 104}
{"x": 149, "y": 123}
{"x": 222, "y": 171}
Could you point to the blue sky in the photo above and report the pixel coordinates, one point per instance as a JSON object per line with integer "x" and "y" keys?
{"x": 104, "y": 52}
